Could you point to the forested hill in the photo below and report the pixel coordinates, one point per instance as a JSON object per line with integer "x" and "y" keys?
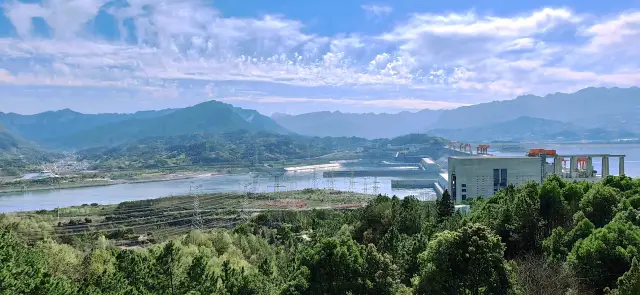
{"x": 239, "y": 147}
{"x": 557, "y": 238}
{"x": 207, "y": 117}
{"x": 233, "y": 148}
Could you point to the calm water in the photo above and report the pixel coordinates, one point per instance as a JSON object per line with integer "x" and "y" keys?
{"x": 51, "y": 199}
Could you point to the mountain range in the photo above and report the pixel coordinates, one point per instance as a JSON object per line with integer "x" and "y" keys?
{"x": 367, "y": 125}
{"x": 591, "y": 113}
{"x": 612, "y": 110}
{"x": 531, "y": 129}
{"x": 69, "y": 129}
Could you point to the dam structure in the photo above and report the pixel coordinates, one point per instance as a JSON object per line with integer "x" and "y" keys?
{"x": 475, "y": 176}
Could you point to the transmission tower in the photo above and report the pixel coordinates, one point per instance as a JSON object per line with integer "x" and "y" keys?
{"x": 254, "y": 182}
{"x": 352, "y": 181}
{"x": 194, "y": 191}
{"x": 376, "y": 186}
{"x": 245, "y": 201}
{"x": 365, "y": 187}
{"x": 276, "y": 182}
{"x": 331, "y": 181}
{"x": 314, "y": 179}
{"x": 295, "y": 180}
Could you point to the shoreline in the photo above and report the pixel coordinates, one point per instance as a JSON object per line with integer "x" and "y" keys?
{"x": 106, "y": 183}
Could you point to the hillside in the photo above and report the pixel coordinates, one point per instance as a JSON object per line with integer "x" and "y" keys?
{"x": 49, "y": 125}
{"x": 8, "y": 142}
{"x": 207, "y": 117}
{"x": 580, "y": 108}
{"x": 529, "y": 128}
{"x": 367, "y": 125}
{"x": 238, "y": 147}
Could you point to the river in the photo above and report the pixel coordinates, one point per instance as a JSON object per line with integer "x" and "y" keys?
{"x": 51, "y": 199}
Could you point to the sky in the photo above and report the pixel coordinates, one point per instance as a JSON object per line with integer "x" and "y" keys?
{"x": 293, "y": 56}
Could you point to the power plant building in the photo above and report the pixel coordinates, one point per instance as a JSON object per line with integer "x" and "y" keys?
{"x": 484, "y": 175}
{"x": 473, "y": 176}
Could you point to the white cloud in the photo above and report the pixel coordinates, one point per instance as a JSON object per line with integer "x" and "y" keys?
{"x": 465, "y": 54}
{"x": 377, "y": 10}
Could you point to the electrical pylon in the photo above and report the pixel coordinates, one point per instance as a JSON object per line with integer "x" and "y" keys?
{"x": 197, "y": 219}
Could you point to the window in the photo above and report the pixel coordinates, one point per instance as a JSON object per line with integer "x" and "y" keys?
{"x": 464, "y": 190}
{"x": 464, "y": 197}
{"x": 503, "y": 178}
{"x": 496, "y": 177}
{"x": 464, "y": 185}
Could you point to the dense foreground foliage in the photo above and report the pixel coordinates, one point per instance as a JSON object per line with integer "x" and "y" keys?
{"x": 554, "y": 238}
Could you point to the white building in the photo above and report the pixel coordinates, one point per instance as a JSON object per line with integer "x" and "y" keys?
{"x": 473, "y": 176}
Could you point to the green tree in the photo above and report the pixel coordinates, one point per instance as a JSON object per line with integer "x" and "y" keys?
{"x": 629, "y": 283}
{"x": 605, "y": 255}
{"x": 444, "y": 206}
{"x": 468, "y": 261}
{"x": 599, "y": 204}
{"x": 553, "y": 208}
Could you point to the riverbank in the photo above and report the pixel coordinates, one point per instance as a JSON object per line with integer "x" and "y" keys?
{"x": 36, "y": 186}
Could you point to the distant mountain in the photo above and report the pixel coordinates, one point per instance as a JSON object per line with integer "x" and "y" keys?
{"x": 50, "y": 125}
{"x": 528, "y": 128}
{"x": 367, "y": 125}
{"x": 580, "y": 108}
{"x": 8, "y": 142}
{"x": 207, "y": 117}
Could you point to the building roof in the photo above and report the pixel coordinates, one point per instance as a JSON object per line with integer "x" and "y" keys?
{"x": 491, "y": 158}
{"x": 428, "y": 160}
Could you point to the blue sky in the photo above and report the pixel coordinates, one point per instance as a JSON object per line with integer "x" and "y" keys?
{"x": 299, "y": 56}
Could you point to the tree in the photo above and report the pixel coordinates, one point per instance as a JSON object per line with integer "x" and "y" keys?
{"x": 605, "y": 255}
{"x": 444, "y": 206}
{"x": 629, "y": 283}
{"x": 464, "y": 262}
{"x": 599, "y": 204}
{"x": 553, "y": 208}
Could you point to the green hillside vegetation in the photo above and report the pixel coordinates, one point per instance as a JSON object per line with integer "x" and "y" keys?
{"x": 237, "y": 149}
{"x": 207, "y": 117}
{"x": 17, "y": 155}
{"x": 554, "y": 238}
{"x": 234, "y": 148}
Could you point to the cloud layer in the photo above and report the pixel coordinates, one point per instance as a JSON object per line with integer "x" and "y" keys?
{"x": 186, "y": 48}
